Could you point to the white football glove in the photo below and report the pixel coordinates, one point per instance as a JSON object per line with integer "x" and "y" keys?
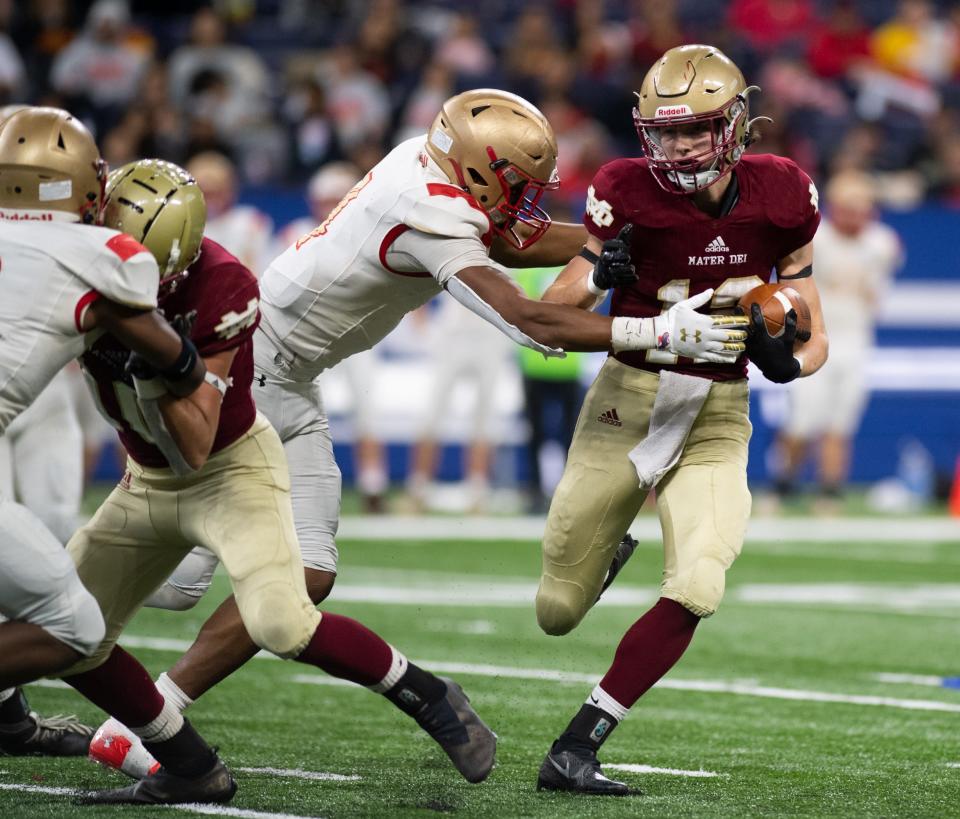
{"x": 685, "y": 332}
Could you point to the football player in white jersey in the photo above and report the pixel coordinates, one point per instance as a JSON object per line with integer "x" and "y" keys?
{"x": 426, "y": 219}
{"x": 38, "y": 455}
{"x": 62, "y": 277}
{"x": 857, "y": 256}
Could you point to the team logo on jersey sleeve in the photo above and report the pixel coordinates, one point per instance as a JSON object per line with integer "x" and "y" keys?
{"x": 599, "y": 209}
{"x": 233, "y": 323}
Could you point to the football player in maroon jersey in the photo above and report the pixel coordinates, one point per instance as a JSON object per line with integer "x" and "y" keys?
{"x": 209, "y": 470}
{"x": 708, "y": 225}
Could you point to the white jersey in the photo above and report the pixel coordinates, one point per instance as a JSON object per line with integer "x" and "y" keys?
{"x": 51, "y": 272}
{"x": 388, "y": 247}
{"x": 852, "y": 273}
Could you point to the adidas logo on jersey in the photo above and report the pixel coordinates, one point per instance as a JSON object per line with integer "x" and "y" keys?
{"x": 717, "y": 246}
{"x": 610, "y": 417}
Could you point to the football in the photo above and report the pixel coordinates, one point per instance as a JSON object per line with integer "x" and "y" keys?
{"x": 775, "y": 301}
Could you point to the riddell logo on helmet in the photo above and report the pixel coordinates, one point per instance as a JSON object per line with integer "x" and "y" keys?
{"x": 27, "y": 216}
{"x": 673, "y": 111}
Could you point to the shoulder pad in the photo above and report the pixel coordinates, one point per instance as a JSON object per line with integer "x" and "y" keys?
{"x": 624, "y": 191}
{"x": 226, "y": 297}
{"x": 791, "y": 198}
{"x": 114, "y": 264}
{"x": 445, "y": 210}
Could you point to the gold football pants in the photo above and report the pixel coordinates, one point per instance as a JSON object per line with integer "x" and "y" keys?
{"x": 703, "y": 502}
{"x": 238, "y": 506}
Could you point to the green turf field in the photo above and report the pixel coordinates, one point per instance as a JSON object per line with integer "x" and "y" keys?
{"x": 777, "y": 709}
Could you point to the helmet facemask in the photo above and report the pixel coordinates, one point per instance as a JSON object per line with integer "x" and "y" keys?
{"x": 520, "y": 203}
{"x": 729, "y": 137}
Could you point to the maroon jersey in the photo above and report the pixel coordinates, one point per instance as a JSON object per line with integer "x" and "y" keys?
{"x": 220, "y": 300}
{"x": 679, "y": 250}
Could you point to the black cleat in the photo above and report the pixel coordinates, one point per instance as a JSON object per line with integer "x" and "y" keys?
{"x": 620, "y": 557}
{"x": 458, "y": 729}
{"x": 165, "y": 788}
{"x": 45, "y": 736}
{"x": 579, "y": 772}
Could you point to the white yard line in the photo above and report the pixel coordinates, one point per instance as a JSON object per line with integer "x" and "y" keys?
{"x": 296, "y": 773}
{"x": 456, "y": 590}
{"x": 739, "y": 688}
{"x": 9, "y": 786}
{"x": 900, "y": 597}
{"x": 208, "y": 810}
{"x": 773, "y": 529}
{"x": 908, "y": 679}
{"x": 630, "y": 767}
{"x": 223, "y": 810}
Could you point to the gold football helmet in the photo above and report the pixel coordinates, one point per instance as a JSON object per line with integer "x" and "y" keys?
{"x": 161, "y": 206}
{"x": 8, "y": 111}
{"x": 50, "y": 163}
{"x": 694, "y": 84}
{"x": 501, "y": 150}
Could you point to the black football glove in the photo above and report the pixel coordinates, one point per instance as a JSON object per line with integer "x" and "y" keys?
{"x": 774, "y": 356}
{"x": 138, "y": 367}
{"x": 614, "y": 267}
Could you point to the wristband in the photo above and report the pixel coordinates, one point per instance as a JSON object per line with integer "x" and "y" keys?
{"x": 799, "y": 358}
{"x": 589, "y": 255}
{"x": 183, "y": 366}
{"x": 217, "y": 382}
{"x": 630, "y": 333}
{"x": 594, "y": 290}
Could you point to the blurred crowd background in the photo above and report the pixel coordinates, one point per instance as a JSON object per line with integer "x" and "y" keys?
{"x": 277, "y": 106}
{"x": 282, "y": 86}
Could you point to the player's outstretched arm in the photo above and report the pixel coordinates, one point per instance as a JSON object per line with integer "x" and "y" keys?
{"x": 553, "y": 328}
{"x": 549, "y": 328}
{"x": 794, "y": 267}
{"x": 557, "y": 246}
{"x": 148, "y": 334}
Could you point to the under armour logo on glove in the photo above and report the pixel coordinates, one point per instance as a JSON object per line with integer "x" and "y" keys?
{"x": 718, "y": 339}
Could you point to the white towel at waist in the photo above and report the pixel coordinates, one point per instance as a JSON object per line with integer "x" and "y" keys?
{"x": 677, "y": 405}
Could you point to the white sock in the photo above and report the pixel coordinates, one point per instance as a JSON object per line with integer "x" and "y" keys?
{"x": 602, "y": 700}
{"x": 398, "y": 667}
{"x": 167, "y": 723}
{"x": 7, "y": 693}
{"x": 172, "y": 693}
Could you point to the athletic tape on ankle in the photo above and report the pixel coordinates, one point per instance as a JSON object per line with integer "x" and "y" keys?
{"x": 398, "y": 667}
{"x": 173, "y": 693}
{"x": 602, "y": 700}
{"x": 166, "y": 724}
